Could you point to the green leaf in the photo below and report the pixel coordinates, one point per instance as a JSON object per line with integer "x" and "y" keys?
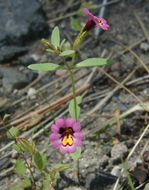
{"x": 62, "y": 43}
{"x": 16, "y": 147}
{"x": 71, "y": 107}
{"x": 47, "y": 182}
{"x": 79, "y": 99}
{"x": 76, "y": 155}
{"x": 16, "y": 187}
{"x": 60, "y": 167}
{"x": 67, "y": 53}
{"x": 54, "y": 174}
{"x": 12, "y": 133}
{"x": 20, "y": 167}
{"x": 72, "y": 111}
{"x": 49, "y": 50}
{"x": 26, "y": 182}
{"x": 25, "y": 145}
{"x": 6, "y": 119}
{"x": 55, "y": 37}
{"x": 44, "y": 67}
{"x": 93, "y": 62}
{"x": 75, "y": 25}
{"x": 40, "y": 160}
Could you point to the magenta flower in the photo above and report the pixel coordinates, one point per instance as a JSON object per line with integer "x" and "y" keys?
{"x": 94, "y": 21}
{"x": 66, "y": 135}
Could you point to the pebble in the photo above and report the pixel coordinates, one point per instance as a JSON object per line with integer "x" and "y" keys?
{"x": 72, "y": 188}
{"x": 3, "y": 102}
{"x": 116, "y": 171}
{"x": 13, "y": 78}
{"x": 20, "y": 24}
{"x": 146, "y": 186}
{"x": 31, "y": 93}
{"x": 118, "y": 152}
{"x": 144, "y": 46}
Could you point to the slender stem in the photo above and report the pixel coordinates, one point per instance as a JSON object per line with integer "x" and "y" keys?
{"x": 73, "y": 91}
{"x": 31, "y": 172}
{"x": 78, "y": 171}
{"x": 28, "y": 166}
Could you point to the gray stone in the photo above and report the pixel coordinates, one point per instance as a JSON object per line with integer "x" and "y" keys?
{"x": 103, "y": 162}
{"x": 3, "y": 102}
{"x": 144, "y": 46}
{"x": 13, "y": 78}
{"x": 116, "y": 171}
{"x": 101, "y": 181}
{"x": 118, "y": 152}
{"x": 31, "y": 93}
{"x": 72, "y": 188}
{"x": 146, "y": 186}
{"x": 21, "y": 22}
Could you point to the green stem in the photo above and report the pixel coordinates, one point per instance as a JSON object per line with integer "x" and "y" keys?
{"x": 73, "y": 89}
{"x": 78, "y": 171}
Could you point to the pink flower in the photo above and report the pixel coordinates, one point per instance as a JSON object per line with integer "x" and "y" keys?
{"x": 94, "y": 21}
{"x": 66, "y": 135}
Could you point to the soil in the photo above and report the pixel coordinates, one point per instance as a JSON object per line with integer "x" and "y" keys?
{"x": 115, "y": 126}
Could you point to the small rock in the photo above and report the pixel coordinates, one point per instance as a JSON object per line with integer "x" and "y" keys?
{"x": 61, "y": 73}
{"x": 15, "y": 79}
{"x": 72, "y": 188}
{"x": 116, "y": 171}
{"x": 31, "y": 93}
{"x": 146, "y": 186}
{"x": 101, "y": 181}
{"x": 22, "y": 21}
{"x": 27, "y": 60}
{"x": 144, "y": 46}
{"x": 118, "y": 152}
{"x": 3, "y": 102}
{"x": 104, "y": 161}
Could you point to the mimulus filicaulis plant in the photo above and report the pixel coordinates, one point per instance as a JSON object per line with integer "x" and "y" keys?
{"x": 66, "y": 135}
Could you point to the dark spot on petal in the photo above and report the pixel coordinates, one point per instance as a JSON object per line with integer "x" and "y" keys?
{"x": 61, "y": 130}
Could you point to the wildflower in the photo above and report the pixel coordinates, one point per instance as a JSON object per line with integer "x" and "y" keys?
{"x": 94, "y": 21}
{"x": 66, "y": 135}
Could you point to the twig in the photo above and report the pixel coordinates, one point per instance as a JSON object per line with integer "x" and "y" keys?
{"x": 122, "y": 86}
{"x": 135, "y": 55}
{"x": 101, "y": 103}
{"x": 142, "y": 26}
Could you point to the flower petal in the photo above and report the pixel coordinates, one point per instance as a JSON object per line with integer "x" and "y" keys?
{"x": 67, "y": 149}
{"x": 54, "y": 136}
{"x": 76, "y": 127}
{"x": 88, "y": 13}
{"x": 69, "y": 122}
{"x": 63, "y": 149}
{"x": 105, "y": 27}
{"x": 60, "y": 122}
{"x": 72, "y": 149}
{"x": 56, "y": 144}
{"x": 100, "y": 22}
{"x": 77, "y": 142}
{"x": 79, "y": 136}
{"x": 55, "y": 128}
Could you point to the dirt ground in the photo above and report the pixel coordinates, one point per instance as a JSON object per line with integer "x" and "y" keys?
{"x": 114, "y": 112}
